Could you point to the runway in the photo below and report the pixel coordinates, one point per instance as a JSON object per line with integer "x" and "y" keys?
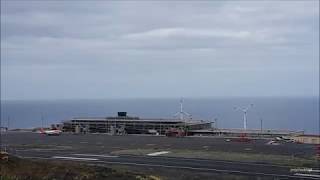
{"x": 249, "y": 169}
{"x": 100, "y": 143}
{"x": 96, "y": 149}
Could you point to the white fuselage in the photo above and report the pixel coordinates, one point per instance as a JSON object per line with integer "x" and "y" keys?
{"x": 51, "y": 132}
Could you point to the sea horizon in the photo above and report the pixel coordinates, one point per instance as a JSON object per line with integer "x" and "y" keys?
{"x": 291, "y": 113}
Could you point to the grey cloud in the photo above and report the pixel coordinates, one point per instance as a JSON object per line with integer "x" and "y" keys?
{"x": 152, "y": 45}
{"x": 186, "y": 33}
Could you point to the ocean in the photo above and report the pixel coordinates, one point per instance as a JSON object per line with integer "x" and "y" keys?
{"x": 275, "y": 113}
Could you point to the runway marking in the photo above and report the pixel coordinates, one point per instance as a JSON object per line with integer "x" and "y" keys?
{"x": 74, "y": 158}
{"x": 38, "y": 149}
{"x": 158, "y": 153}
{"x": 96, "y": 155}
{"x": 222, "y": 161}
{"x": 305, "y": 170}
{"x": 206, "y": 169}
{"x": 307, "y": 175}
{"x": 185, "y": 167}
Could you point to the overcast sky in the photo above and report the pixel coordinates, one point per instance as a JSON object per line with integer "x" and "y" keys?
{"x": 66, "y": 50}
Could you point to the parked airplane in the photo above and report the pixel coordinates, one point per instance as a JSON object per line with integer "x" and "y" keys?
{"x": 283, "y": 138}
{"x": 52, "y": 132}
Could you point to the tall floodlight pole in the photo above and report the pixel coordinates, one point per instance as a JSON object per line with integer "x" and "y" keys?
{"x": 181, "y": 109}
{"x": 42, "y": 124}
{"x": 216, "y": 122}
{"x": 245, "y": 119}
{"x": 8, "y": 124}
{"x": 245, "y": 111}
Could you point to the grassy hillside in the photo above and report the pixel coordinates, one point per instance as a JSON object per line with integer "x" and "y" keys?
{"x": 21, "y": 169}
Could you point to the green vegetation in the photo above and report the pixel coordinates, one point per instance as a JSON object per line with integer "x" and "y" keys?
{"x": 21, "y": 169}
{"x": 24, "y": 169}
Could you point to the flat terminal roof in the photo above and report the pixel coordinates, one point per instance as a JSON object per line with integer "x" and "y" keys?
{"x": 192, "y": 121}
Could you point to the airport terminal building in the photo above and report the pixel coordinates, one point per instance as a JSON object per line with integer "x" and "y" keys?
{"x": 123, "y": 124}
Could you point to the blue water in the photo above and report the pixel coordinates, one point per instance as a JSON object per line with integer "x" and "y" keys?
{"x": 276, "y": 113}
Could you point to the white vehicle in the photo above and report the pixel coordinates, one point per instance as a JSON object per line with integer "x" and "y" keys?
{"x": 272, "y": 143}
{"x": 279, "y": 138}
{"x": 53, "y": 132}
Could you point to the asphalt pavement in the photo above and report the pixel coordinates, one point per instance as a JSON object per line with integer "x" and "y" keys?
{"x": 96, "y": 149}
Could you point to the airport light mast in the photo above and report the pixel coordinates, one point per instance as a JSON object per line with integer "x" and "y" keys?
{"x": 245, "y": 111}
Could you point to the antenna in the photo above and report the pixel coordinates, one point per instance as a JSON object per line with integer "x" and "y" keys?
{"x": 8, "y": 123}
{"x": 182, "y": 113}
{"x": 42, "y": 121}
{"x": 245, "y": 111}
